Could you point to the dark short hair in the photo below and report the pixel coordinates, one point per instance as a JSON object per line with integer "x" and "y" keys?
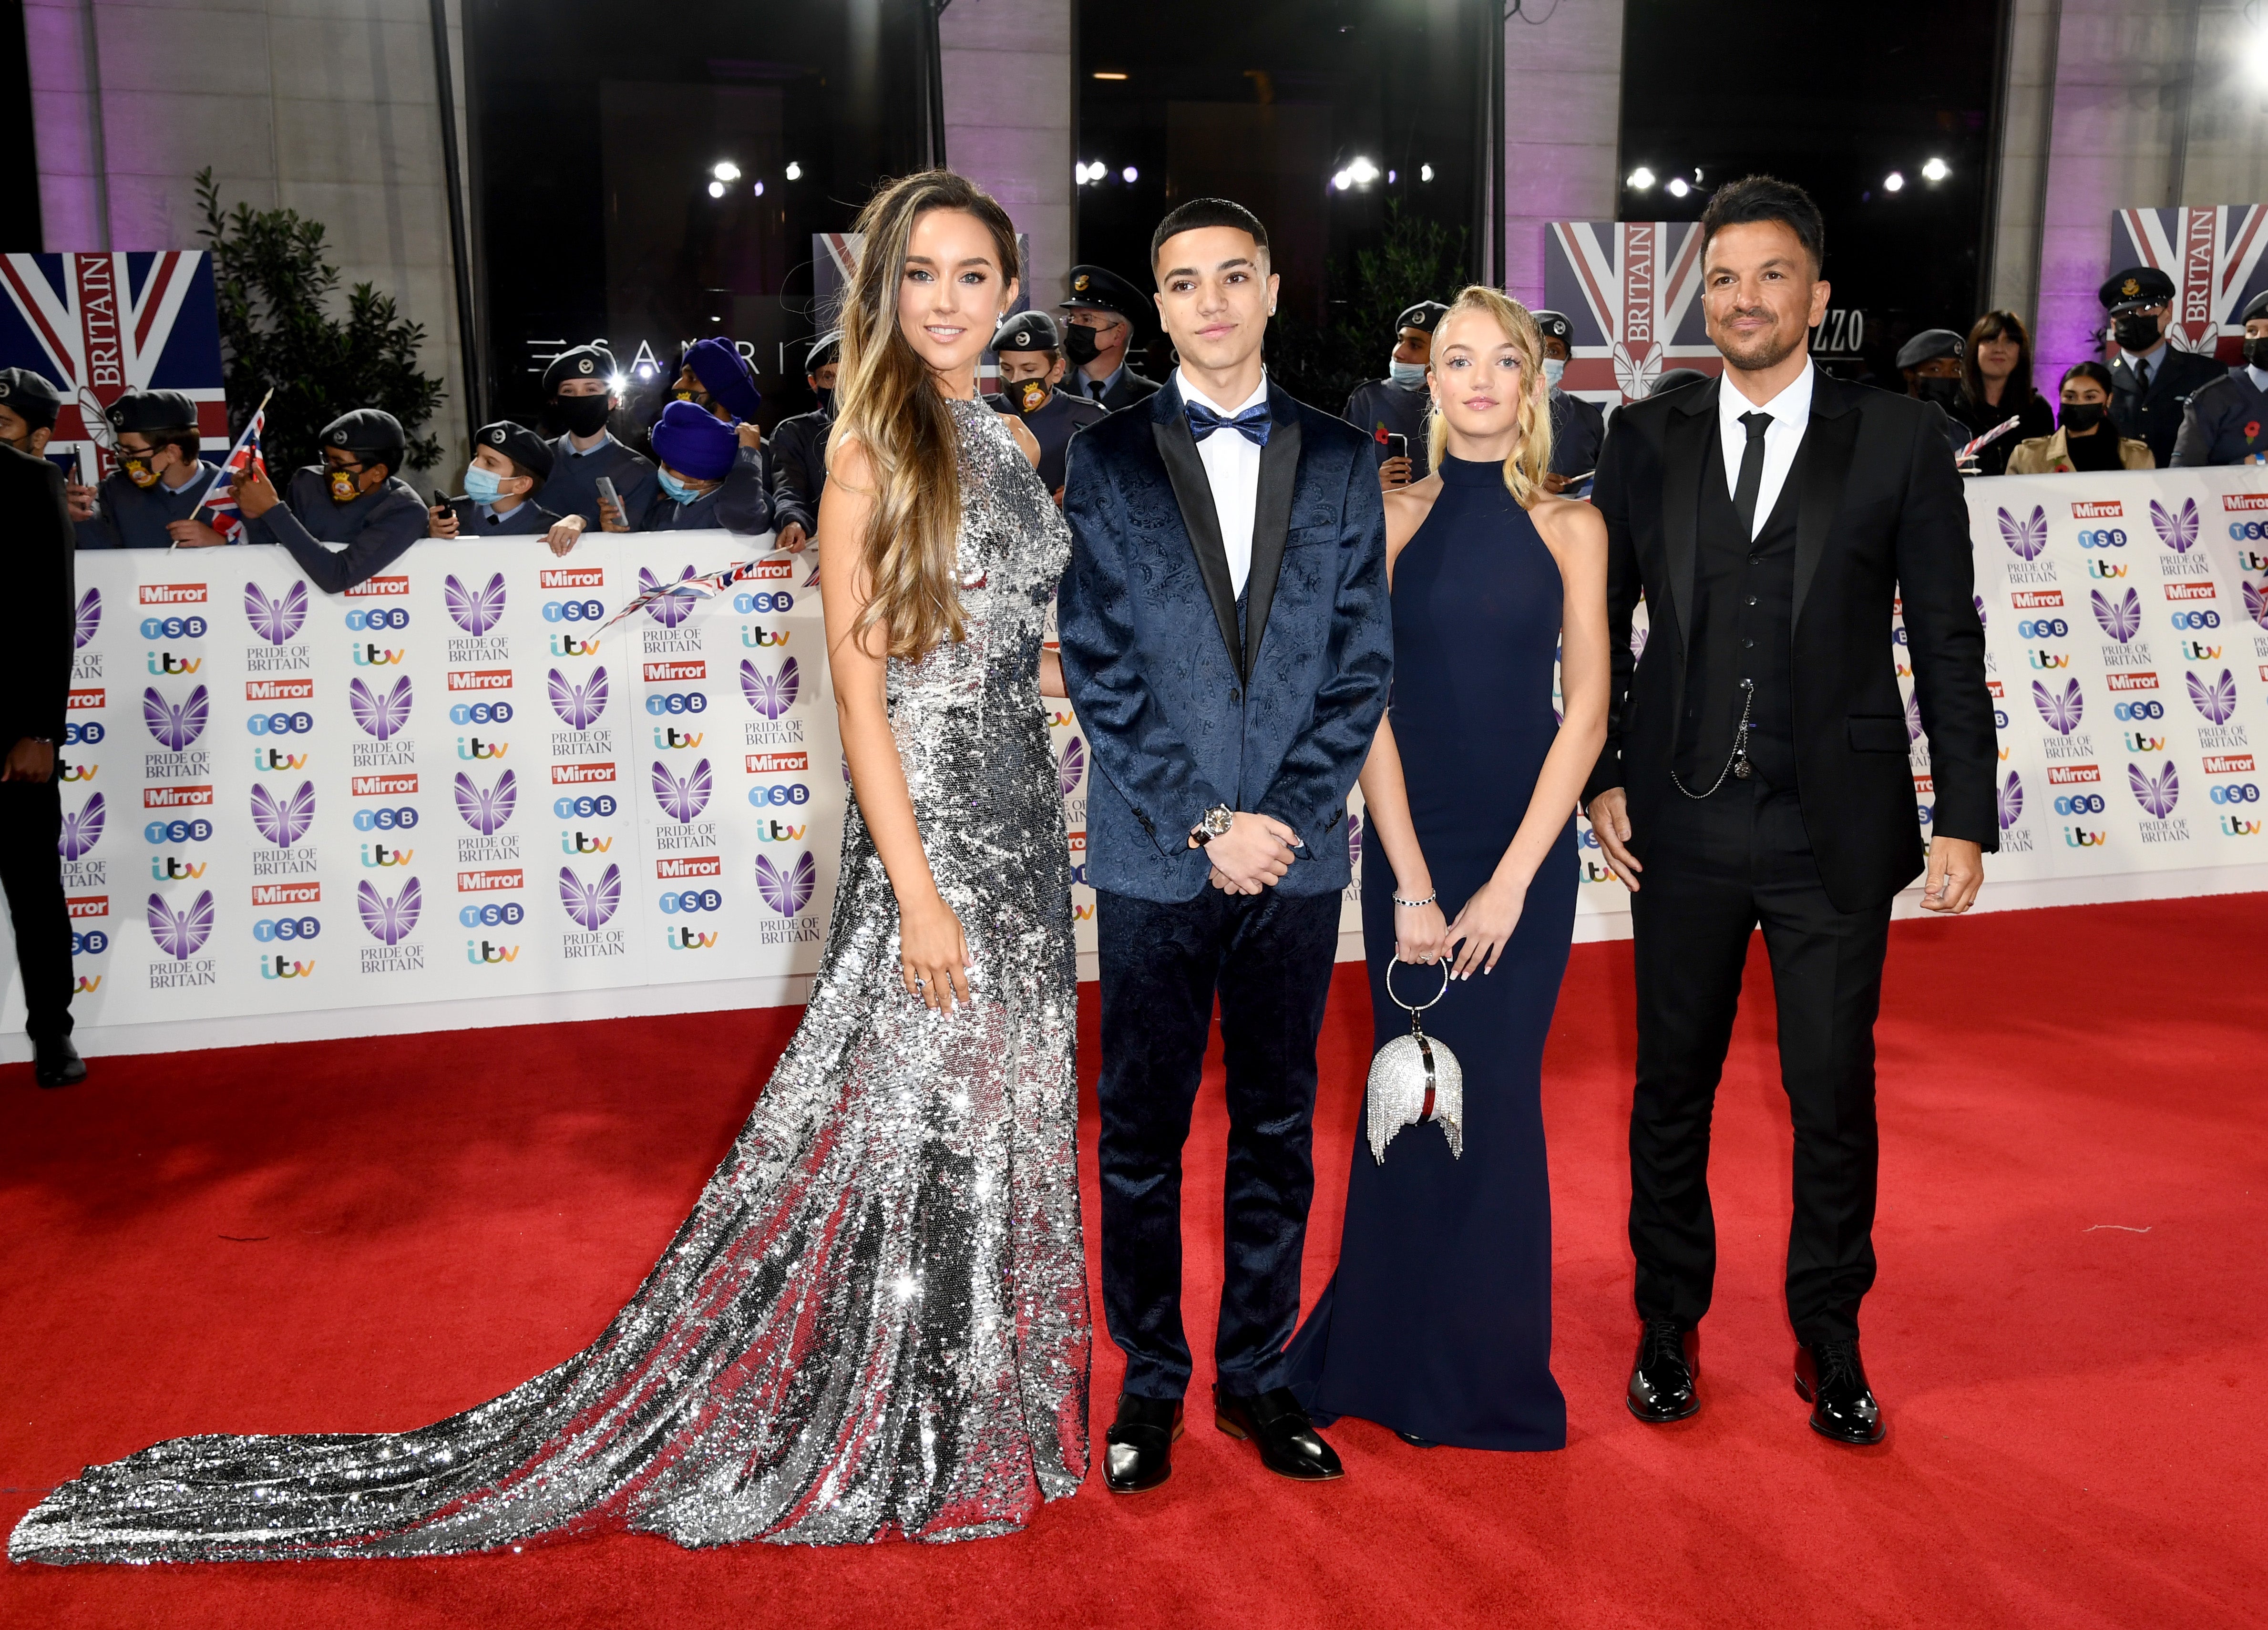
{"x": 2089, "y": 370}
{"x": 2000, "y": 325}
{"x": 1755, "y": 198}
{"x": 183, "y": 437}
{"x": 1202, "y": 213}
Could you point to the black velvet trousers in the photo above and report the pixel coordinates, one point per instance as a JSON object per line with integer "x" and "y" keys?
{"x": 1715, "y": 869}
{"x": 31, "y": 870}
{"x": 1268, "y": 957}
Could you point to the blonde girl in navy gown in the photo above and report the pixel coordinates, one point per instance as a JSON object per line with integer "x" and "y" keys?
{"x": 1438, "y": 1322}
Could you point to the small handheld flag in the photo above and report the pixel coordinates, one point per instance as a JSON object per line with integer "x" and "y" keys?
{"x": 220, "y": 493}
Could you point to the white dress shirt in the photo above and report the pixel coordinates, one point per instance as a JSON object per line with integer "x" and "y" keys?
{"x": 1791, "y": 417}
{"x": 1231, "y": 466}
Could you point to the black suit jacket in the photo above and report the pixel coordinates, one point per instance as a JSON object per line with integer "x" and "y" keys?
{"x": 1127, "y": 389}
{"x": 1879, "y": 516}
{"x": 37, "y": 619}
{"x": 2155, "y": 415}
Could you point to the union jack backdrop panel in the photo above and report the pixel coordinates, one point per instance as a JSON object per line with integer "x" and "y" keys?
{"x": 2212, "y": 255}
{"x": 1631, "y": 290}
{"x": 101, "y": 325}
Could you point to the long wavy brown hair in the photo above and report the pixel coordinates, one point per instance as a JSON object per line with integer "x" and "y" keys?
{"x": 886, "y": 397}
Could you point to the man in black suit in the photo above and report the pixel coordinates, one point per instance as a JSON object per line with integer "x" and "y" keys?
{"x": 1101, "y": 318}
{"x": 2151, "y": 382}
{"x": 1757, "y": 771}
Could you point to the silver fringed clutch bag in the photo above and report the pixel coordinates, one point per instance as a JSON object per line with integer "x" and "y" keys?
{"x": 1414, "y": 1078}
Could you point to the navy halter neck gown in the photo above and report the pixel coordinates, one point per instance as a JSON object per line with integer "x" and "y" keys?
{"x": 1438, "y": 1323}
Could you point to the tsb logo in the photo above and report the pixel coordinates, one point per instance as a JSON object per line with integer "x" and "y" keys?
{"x": 377, "y": 619}
{"x": 2041, "y": 628}
{"x": 2079, "y": 804}
{"x": 677, "y": 702}
{"x": 691, "y": 900}
{"x": 481, "y": 713}
{"x": 93, "y": 942}
{"x": 776, "y": 600}
{"x": 779, "y": 794}
{"x": 173, "y": 628}
{"x": 2142, "y": 710}
{"x": 2241, "y": 793}
{"x": 269, "y": 928}
{"x": 2108, "y": 537}
{"x": 400, "y": 819}
{"x": 495, "y": 914}
{"x": 83, "y": 735}
{"x": 2207, "y": 618}
{"x": 573, "y": 611}
{"x": 177, "y": 831}
{"x": 583, "y": 808}
{"x": 280, "y": 724}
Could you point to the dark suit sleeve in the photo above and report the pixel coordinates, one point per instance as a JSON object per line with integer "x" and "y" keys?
{"x": 385, "y": 540}
{"x": 1311, "y": 786}
{"x": 2193, "y": 444}
{"x": 743, "y": 507}
{"x": 793, "y": 504}
{"x": 1610, "y": 494}
{"x": 1937, "y": 584}
{"x": 35, "y": 661}
{"x": 1131, "y": 740}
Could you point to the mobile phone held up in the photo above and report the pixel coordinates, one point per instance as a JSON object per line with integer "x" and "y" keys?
{"x": 1397, "y": 445}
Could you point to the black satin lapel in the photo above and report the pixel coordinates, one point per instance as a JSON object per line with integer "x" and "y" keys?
{"x": 1821, "y": 466}
{"x": 1194, "y": 493}
{"x": 1271, "y": 519}
{"x": 1687, "y": 439}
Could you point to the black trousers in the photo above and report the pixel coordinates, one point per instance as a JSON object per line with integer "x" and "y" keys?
{"x": 1269, "y": 958}
{"x": 32, "y": 872}
{"x": 1715, "y": 868}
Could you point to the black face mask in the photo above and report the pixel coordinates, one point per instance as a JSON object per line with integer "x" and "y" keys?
{"x": 1027, "y": 396}
{"x": 1944, "y": 393}
{"x": 826, "y": 399}
{"x": 2256, "y": 352}
{"x": 2135, "y": 334}
{"x": 2082, "y": 417}
{"x": 584, "y": 415}
{"x": 1079, "y": 344}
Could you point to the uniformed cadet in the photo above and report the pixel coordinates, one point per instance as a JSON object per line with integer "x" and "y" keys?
{"x": 1030, "y": 350}
{"x": 159, "y": 479}
{"x": 798, "y": 448}
{"x": 1104, "y": 314}
{"x": 715, "y": 376}
{"x": 2150, "y": 381}
{"x": 510, "y": 465}
{"x": 704, "y": 482}
{"x": 36, "y": 622}
{"x": 353, "y": 498}
{"x": 1930, "y": 364}
{"x": 1397, "y": 404}
{"x": 582, "y": 384}
{"x": 2226, "y": 421}
{"x": 1578, "y": 425}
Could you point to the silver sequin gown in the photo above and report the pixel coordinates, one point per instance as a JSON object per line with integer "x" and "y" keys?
{"x": 875, "y": 1324}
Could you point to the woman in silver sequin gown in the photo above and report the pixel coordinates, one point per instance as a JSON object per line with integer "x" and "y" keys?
{"x": 875, "y": 1324}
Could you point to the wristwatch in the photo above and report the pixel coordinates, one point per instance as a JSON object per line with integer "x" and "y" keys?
{"x": 1216, "y": 823}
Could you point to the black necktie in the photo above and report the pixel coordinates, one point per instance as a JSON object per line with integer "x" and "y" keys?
{"x": 2142, "y": 371}
{"x": 1752, "y": 473}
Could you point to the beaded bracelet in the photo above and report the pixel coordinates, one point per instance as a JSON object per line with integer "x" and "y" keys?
{"x": 1428, "y": 900}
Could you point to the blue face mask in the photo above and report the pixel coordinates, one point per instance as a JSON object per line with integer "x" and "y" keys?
{"x": 676, "y": 487}
{"x": 1409, "y": 375}
{"x": 482, "y": 485}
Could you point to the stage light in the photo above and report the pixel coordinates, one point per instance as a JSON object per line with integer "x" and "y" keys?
{"x": 726, "y": 172}
{"x": 1390, "y": 178}
{"x": 1893, "y": 182}
{"x": 1107, "y": 76}
{"x": 1678, "y": 187}
{"x": 1363, "y": 171}
{"x": 1130, "y": 175}
{"x": 715, "y": 189}
{"x": 615, "y": 382}
{"x": 794, "y": 171}
{"x": 1343, "y": 180}
{"x": 1935, "y": 170}
{"x": 760, "y": 189}
{"x": 1425, "y": 171}
{"x": 1640, "y": 179}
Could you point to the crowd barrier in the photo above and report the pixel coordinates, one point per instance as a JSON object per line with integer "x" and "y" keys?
{"x": 445, "y": 799}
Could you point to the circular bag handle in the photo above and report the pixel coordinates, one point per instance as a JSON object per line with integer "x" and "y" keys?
{"x": 1442, "y": 962}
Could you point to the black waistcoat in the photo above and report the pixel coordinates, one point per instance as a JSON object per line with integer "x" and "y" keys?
{"x": 1743, "y": 628}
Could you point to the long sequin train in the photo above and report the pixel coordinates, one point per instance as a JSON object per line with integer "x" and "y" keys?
{"x": 875, "y": 1322}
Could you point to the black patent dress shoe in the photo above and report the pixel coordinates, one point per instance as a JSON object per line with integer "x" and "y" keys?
{"x": 1137, "y": 1451}
{"x": 1664, "y": 1384}
{"x": 57, "y": 1063}
{"x": 1829, "y": 1377}
{"x": 1289, "y": 1444}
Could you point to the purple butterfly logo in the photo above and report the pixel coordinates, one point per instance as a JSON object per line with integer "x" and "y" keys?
{"x": 2256, "y": 605}
{"x": 276, "y": 620}
{"x": 1071, "y": 769}
{"x": 175, "y": 728}
{"x": 683, "y": 800}
{"x": 2012, "y": 802}
{"x": 1354, "y": 840}
{"x": 2217, "y": 701}
{"x": 486, "y": 809}
{"x": 1981, "y": 618}
{"x": 2060, "y": 712}
{"x": 591, "y": 905}
{"x": 2121, "y": 619}
{"x": 673, "y": 607}
{"x": 284, "y": 823}
{"x": 1639, "y": 632}
{"x": 787, "y": 890}
{"x": 2178, "y": 533}
{"x": 379, "y": 716}
{"x": 771, "y": 695}
{"x": 474, "y": 611}
{"x": 578, "y": 706}
{"x": 2027, "y": 538}
{"x": 90, "y": 617}
{"x": 82, "y": 829}
{"x": 389, "y": 921}
{"x": 2157, "y": 793}
{"x": 1913, "y": 718}
{"x": 183, "y": 934}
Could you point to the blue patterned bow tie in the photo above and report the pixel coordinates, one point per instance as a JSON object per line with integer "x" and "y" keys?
{"x": 1252, "y": 423}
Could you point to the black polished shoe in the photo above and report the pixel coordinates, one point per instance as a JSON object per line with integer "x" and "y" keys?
{"x": 1829, "y": 1377}
{"x": 57, "y": 1063}
{"x": 1290, "y": 1446}
{"x": 1664, "y": 1377}
{"x": 1137, "y": 1451}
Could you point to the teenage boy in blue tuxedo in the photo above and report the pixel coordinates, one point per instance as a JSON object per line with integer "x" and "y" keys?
{"x": 1226, "y": 639}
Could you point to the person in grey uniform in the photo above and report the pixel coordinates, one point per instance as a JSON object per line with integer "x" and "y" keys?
{"x": 2151, "y": 382}
{"x": 159, "y": 479}
{"x": 1578, "y": 425}
{"x": 1397, "y": 404}
{"x": 1104, "y": 316}
{"x": 704, "y": 482}
{"x": 1030, "y": 350}
{"x": 352, "y": 498}
{"x": 583, "y": 386}
{"x": 798, "y": 448}
{"x": 510, "y": 466}
{"x": 2226, "y": 421}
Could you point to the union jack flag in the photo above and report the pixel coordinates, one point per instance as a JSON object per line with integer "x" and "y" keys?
{"x": 1629, "y": 288}
{"x": 2212, "y": 255}
{"x": 101, "y": 325}
{"x": 220, "y": 502}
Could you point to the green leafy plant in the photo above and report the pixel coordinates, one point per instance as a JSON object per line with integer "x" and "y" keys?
{"x": 1413, "y": 259}
{"x": 276, "y": 293}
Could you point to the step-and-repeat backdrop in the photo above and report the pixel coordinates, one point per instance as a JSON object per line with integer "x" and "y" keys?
{"x": 447, "y": 785}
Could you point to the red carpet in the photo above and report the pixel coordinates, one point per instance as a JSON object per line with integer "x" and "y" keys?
{"x": 371, "y": 1235}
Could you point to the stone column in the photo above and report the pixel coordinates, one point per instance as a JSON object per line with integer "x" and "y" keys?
{"x": 1010, "y": 121}
{"x": 1562, "y": 131}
